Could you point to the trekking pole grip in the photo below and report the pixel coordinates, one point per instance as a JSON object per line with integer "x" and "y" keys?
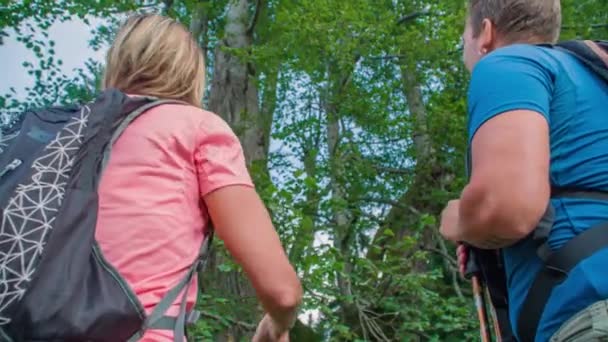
{"x": 471, "y": 268}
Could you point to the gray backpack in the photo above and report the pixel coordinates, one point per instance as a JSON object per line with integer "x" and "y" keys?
{"x": 55, "y": 284}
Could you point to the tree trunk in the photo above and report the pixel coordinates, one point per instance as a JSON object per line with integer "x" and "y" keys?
{"x": 405, "y": 214}
{"x": 341, "y": 215}
{"x": 234, "y": 96}
{"x": 304, "y": 237}
{"x": 199, "y": 26}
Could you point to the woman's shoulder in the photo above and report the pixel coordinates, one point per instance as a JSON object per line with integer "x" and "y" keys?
{"x": 194, "y": 117}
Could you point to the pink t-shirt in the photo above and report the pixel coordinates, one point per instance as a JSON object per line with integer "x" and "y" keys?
{"x": 152, "y": 219}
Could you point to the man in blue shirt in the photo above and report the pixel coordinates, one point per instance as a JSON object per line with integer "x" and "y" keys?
{"x": 538, "y": 118}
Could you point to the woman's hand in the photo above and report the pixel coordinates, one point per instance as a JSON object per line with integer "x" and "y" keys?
{"x": 268, "y": 331}
{"x": 241, "y": 220}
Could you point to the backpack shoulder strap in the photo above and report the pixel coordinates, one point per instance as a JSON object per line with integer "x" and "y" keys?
{"x": 593, "y": 53}
{"x": 157, "y": 320}
{"x": 555, "y": 270}
{"x": 130, "y": 118}
{"x": 600, "y": 49}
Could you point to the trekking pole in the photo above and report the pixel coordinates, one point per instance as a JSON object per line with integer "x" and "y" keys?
{"x": 494, "y": 316}
{"x": 481, "y": 310}
{"x": 472, "y": 272}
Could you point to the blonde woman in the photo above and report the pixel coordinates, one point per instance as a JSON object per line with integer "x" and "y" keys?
{"x": 174, "y": 169}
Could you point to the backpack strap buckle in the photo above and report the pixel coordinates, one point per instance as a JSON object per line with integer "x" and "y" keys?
{"x": 193, "y": 317}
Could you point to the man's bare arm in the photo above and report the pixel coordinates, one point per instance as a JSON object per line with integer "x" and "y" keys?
{"x": 509, "y": 187}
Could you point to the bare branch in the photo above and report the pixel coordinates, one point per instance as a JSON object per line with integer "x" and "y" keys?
{"x": 311, "y": 292}
{"x": 386, "y": 57}
{"x": 378, "y": 315}
{"x": 369, "y": 325}
{"x": 392, "y": 170}
{"x": 394, "y": 203}
{"x": 412, "y": 16}
{"x": 363, "y": 323}
{"x": 451, "y": 264}
{"x": 385, "y": 287}
{"x": 244, "y": 325}
{"x": 451, "y": 260}
{"x": 456, "y": 285}
{"x": 383, "y": 201}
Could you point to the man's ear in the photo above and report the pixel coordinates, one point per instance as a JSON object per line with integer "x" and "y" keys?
{"x": 487, "y": 37}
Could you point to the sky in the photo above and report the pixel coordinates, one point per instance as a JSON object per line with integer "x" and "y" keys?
{"x": 72, "y": 48}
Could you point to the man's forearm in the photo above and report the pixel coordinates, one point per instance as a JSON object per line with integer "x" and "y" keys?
{"x": 490, "y": 241}
{"x": 482, "y": 224}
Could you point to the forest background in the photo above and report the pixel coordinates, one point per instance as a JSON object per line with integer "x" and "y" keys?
{"x": 352, "y": 116}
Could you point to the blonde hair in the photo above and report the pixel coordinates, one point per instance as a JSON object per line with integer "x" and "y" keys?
{"x": 519, "y": 20}
{"x": 156, "y": 56}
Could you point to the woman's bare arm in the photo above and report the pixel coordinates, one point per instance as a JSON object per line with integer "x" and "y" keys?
{"x": 241, "y": 220}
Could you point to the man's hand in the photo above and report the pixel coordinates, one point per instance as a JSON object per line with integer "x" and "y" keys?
{"x": 450, "y": 219}
{"x": 462, "y": 252}
{"x": 267, "y": 331}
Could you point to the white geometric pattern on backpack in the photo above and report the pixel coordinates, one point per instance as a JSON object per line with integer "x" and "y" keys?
{"x": 30, "y": 213}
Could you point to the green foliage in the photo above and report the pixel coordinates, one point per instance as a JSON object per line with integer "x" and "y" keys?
{"x": 357, "y": 211}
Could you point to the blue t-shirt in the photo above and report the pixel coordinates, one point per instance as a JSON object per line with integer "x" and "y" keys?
{"x": 574, "y": 101}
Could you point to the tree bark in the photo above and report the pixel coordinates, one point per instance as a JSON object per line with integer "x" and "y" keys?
{"x": 343, "y": 235}
{"x": 340, "y": 214}
{"x": 199, "y": 26}
{"x": 234, "y": 96}
{"x": 304, "y": 236}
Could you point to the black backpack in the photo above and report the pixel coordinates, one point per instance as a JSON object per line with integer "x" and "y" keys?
{"x": 55, "y": 284}
{"x": 487, "y": 264}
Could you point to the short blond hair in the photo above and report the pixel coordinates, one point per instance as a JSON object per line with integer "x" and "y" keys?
{"x": 154, "y": 55}
{"x": 537, "y": 21}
